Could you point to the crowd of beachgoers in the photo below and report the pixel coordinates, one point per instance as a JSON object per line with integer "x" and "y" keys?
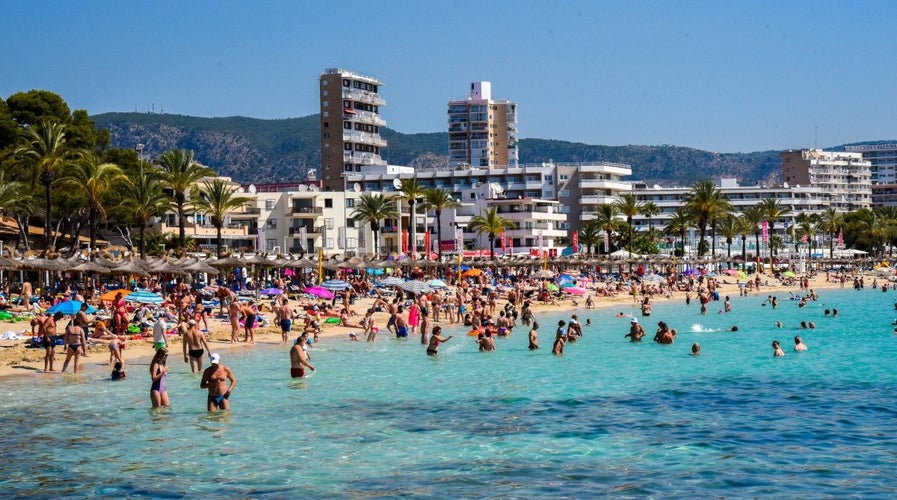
{"x": 150, "y": 318}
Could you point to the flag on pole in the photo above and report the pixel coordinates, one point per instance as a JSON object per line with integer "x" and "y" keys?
{"x": 606, "y": 243}
{"x": 427, "y": 242}
{"x": 404, "y": 246}
{"x": 840, "y": 237}
{"x": 575, "y": 241}
{"x": 503, "y": 245}
{"x": 764, "y": 226}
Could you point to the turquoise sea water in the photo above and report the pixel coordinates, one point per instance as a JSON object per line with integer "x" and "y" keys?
{"x": 609, "y": 418}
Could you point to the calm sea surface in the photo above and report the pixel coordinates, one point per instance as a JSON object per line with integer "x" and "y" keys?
{"x": 609, "y": 418}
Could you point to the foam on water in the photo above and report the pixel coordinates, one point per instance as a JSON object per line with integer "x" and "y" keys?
{"x": 608, "y": 418}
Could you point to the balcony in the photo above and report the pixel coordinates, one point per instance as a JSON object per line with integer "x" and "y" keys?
{"x": 310, "y": 231}
{"x": 363, "y": 159}
{"x": 306, "y": 211}
{"x": 616, "y": 169}
{"x": 365, "y": 117}
{"x": 364, "y": 96}
{"x": 604, "y": 184}
{"x": 364, "y": 138}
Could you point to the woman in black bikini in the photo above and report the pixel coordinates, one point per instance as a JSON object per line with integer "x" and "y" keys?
{"x": 76, "y": 345}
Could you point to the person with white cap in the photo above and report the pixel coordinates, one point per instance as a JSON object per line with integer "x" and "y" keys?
{"x": 215, "y": 378}
{"x": 636, "y": 331}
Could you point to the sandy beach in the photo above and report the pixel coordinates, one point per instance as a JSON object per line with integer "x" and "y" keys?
{"x": 18, "y": 361}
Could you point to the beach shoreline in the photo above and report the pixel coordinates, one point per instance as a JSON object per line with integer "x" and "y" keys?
{"x": 18, "y": 361}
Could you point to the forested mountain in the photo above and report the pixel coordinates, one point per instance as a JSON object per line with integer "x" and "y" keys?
{"x": 255, "y": 150}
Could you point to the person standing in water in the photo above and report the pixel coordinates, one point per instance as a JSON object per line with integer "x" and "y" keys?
{"x": 435, "y": 340}
{"x": 158, "y": 371}
{"x": 215, "y": 379}
{"x": 534, "y": 337}
{"x": 299, "y": 359}
{"x": 194, "y": 346}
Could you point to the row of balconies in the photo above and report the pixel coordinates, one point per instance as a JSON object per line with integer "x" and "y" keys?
{"x": 365, "y": 117}
{"x": 365, "y": 96}
{"x": 364, "y": 138}
{"x": 362, "y": 158}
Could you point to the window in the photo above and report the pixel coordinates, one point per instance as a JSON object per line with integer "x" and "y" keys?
{"x": 565, "y": 209}
{"x": 564, "y": 193}
{"x": 271, "y": 224}
{"x": 328, "y": 243}
{"x": 350, "y": 243}
{"x": 563, "y": 177}
{"x": 326, "y": 104}
{"x": 326, "y": 91}
{"x": 270, "y": 242}
{"x": 328, "y": 202}
{"x": 350, "y": 222}
{"x": 269, "y": 204}
{"x": 350, "y": 202}
{"x": 326, "y": 114}
{"x": 328, "y": 223}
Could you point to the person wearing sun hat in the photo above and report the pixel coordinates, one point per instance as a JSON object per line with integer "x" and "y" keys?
{"x": 636, "y": 331}
{"x": 215, "y": 378}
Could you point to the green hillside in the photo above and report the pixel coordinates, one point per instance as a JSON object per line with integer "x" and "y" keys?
{"x": 254, "y": 150}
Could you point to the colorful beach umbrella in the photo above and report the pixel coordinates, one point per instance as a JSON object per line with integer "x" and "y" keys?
{"x": 552, "y": 287}
{"x": 334, "y": 285}
{"x": 415, "y": 287}
{"x": 391, "y": 281}
{"x": 789, "y": 274}
{"x": 319, "y": 292}
{"x": 111, "y": 294}
{"x": 271, "y": 292}
{"x": 437, "y": 283}
{"x": 69, "y": 307}
{"x": 575, "y": 290}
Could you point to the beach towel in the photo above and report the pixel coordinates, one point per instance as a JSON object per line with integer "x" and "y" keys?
{"x": 11, "y": 336}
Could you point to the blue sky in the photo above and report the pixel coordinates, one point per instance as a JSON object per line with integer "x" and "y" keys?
{"x": 715, "y": 75}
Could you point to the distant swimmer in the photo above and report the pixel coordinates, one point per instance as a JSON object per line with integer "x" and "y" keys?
{"x": 695, "y": 349}
{"x": 799, "y": 344}
{"x": 777, "y": 349}
{"x": 778, "y": 324}
{"x": 534, "y": 337}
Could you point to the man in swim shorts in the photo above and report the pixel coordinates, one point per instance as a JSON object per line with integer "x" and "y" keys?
{"x": 285, "y": 315}
{"x": 194, "y": 346}
{"x": 215, "y": 378}
{"x": 248, "y": 322}
{"x": 401, "y": 324}
{"x": 299, "y": 358}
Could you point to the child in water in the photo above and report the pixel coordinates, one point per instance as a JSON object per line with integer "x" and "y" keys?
{"x": 117, "y": 372}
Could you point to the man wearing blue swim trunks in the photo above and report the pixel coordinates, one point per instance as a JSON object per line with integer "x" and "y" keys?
{"x": 215, "y": 378}
{"x": 401, "y": 325}
{"x": 285, "y": 315}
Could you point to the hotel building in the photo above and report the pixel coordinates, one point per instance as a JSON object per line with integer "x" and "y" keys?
{"x": 482, "y": 131}
{"x": 883, "y": 160}
{"x": 350, "y": 125}
{"x": 845, "y": 176}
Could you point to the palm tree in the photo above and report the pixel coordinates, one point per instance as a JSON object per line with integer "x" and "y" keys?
{"x": 808, "y": 225}
{"x": 607, "y": 219}
{"x": 889, "y": 213}
{"x": 678, "y": 225}
{"x": 589, "y": 235}
{"x": 92, "y": 179}
{"x": 730, "y": 226}
{"x": 438, "y": 199}
{"x": 704, "y": 202}
{"x": 773, "y": 211}
{"x": 181, "y": 174}
{"x": 629, "y": 207}
{"x": 48, "y": 155}
{"x": 492, "y": 224}
{"x": 15, "y": 199}
{"x": 832, "y": 222}
{"x": 649, "y": 209}
{"x": 143, "y": 199}
{"x": 411, "y": 191}
{"x": 373, "y": 208}
{"x": 753, "y": 216}
{"x": 216, "y": 199}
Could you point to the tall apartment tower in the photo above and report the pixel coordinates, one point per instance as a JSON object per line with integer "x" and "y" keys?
{"x": 482, "y": 132}
{"x": 845, "y": 176}
{"x": 350, "y": 125}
